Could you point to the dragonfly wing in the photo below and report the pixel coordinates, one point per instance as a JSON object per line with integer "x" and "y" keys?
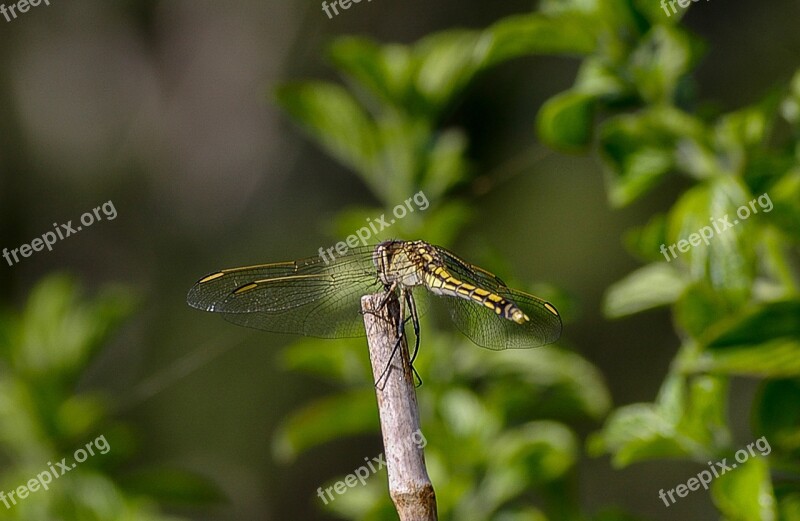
{"x": 308, "y": 297}
{"x": 484, "y": 327}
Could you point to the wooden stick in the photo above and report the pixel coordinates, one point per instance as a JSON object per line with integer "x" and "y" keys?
{"x": 409, "y": 485}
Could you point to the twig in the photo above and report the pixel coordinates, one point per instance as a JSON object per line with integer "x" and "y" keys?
{"x": 409, "y": 485}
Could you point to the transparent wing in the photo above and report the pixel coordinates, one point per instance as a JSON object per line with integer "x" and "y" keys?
{"x": 486, "y": 328}
{"x": 308, "y": 297}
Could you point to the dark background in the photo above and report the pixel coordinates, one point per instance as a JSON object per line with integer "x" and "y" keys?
{"x": 165, "y": 109}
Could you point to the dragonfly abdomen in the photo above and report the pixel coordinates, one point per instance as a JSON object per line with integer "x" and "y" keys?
{"x": 441, "y": 282}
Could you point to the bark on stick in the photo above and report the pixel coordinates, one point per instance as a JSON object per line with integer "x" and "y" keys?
{"x": 409, "y": 485}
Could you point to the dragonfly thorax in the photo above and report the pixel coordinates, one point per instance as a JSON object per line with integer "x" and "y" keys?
{"x": 403, "y": 262}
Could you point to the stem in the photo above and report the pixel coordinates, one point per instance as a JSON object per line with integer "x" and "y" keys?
{"x": 409, "y": 485}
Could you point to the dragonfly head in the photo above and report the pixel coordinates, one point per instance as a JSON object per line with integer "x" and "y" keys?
{"x": 397, "y": 263}
{"x": 382, "y": 259}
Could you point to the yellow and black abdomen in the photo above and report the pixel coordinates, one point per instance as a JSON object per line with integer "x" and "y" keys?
{"x": 440, "y": 282}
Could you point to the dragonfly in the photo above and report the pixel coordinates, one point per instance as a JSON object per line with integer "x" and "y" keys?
{"x": 320, "y": 297}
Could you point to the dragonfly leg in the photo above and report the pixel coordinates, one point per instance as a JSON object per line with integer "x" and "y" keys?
{"x": 414, "y": 317}
{"x": 400, "y": 330}
{"x": 389, "y": 292}
{"x": 408, "y": 299}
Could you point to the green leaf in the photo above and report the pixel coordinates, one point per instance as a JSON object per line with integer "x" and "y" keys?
{"x": 783, "y": 197}
{"x": 60, "y": 331}
{"x": 658, "y": 13}
{"x": 661, "y": 59}
{"x": 443, "y": 225}
{"x": 700, "y": 308}
{"x": 707, "y": 236}
{"x": 739, "y": 136}
{"x": 530, "y": 455}
{"x": 538, "y": 451}
{"x": 767, "y": 321}
{"x": 777, "y": 414}
{"x": 324, "y": 420}
{"x": 696, "y": 407}
{"x": 645, "y": 241}
{"x": 555, "y": 383}
{"x": 447, "y": 164}
{"x": 789, "y": 507}
{"x": 535, "y": 33}
{"x": 466, "y": 415}
{"x": 598, "y": 78}
{"x": 775, "y": 359}
{"x": 790, "y": 108}
{"x": 762, "y": 341}
{"x": 384, "y": 70}
{"x": 705, "y": 418}
{"x": 638, "y": 432}
{"x": 335, "y": 120}
{"x": 445, "y": 63}
{"x": 654, "y": 285}
{"x": 745, "y": 493}
{"x": 78, "y": 416}
{"x": 566, "y": 120}
{"x": 639, "y": 149}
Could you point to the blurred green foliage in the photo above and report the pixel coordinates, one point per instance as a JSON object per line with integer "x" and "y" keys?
{"x": 43, "y": 352}
{"x": 499, "y": 443}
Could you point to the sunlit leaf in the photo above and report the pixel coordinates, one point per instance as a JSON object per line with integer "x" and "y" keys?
{"x": 662, "y": 58}
{"x": 335, "y": 119}
{"x": 700, "y": 308}
{"x": 654, "y": 285}
{"x": 645, "y": 241}
{"x": 59, "y": 331}
{"x": 639, "y": 432}
{"x": 565, "y": 121}
{"x": 538, "y": 34}
{"x": 384, "y": 70}
{"x": 708, "y": 236}
{"x": 639, "y": 149}
{"x": 783, "y": 197}
{"x": 745, "y": 492}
